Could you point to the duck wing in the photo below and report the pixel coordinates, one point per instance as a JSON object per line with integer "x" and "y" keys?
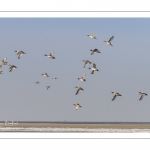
{"x": 111, "y": 39}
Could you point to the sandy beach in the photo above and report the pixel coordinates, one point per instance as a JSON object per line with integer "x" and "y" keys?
{"x": 90, "y": 126}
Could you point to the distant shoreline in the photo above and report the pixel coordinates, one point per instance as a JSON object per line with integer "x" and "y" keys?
{"x": 76, "y": 122}
{"x": 79, "y": 125}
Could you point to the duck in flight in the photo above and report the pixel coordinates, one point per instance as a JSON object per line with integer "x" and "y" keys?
{"x": 86, "y": 62}
{"x": 92, "y": 36}
{"x": 109, "y": 41}
{"x": 115, "y": 95}
{"x": 77, "y": 106}
{"x": 12, "y": 67}
{"x": 37, "y": 82}
{"x": 50, "y": 55}
{"x": 82, "y": 78}
{"x": 95, "y": 51}
{"x": 47, "y": 87}
{"x": 79, "y": 89}
{"x": 142, "y": 95}
{"x": 54, "y": 78}
{"x": 3, "y": 62}
{"x": 20, "y": 53}
{"x": 94, "y": 69}
{"x": 45, "y": 74}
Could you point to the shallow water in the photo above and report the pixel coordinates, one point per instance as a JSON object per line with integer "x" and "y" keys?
{"x": 60, "y": 130}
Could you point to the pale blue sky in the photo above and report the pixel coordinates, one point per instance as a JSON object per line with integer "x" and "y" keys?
{"x": 123, "y": 68}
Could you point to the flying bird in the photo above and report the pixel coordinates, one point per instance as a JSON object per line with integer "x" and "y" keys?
{"x": 115, "y": 95}
{"x": 50, "y": 55}
{"x": 37, "y": 82}
{"x": 3, "y": 62}
{"x": 86, "y": 62}
{"x": 77, "y": 106}
{"x": 20, "y": 53}
{"x": 45, "y": 75}
{"x": 78, "y": 90}
{"x": 82, "y": 78}
{"x": 94, "y": 69}
{"x": 1, "y": 72}
{"x": 12, "y": 67}
{"x": 95, "y": 51}
{"x": 109, "y": 41}
{"x": 54, "y": 78}
{"x": 47, "y": 87}
{"x": 142, "y": 95}
{"x": 92, "y": 36}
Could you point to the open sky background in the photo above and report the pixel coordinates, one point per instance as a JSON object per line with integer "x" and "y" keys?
{"x": 123, "y": 68}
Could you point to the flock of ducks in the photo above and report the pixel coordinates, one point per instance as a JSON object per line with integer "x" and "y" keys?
{"x": 20, "y": 54}
{"x": 117, "y": 94}
{"x": 82, "y": 78}
{"x": 95, "y": 69}
{"x": 51, "y": 55}
{"x": 3, "y": 62}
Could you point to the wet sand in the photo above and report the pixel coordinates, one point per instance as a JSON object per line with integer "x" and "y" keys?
{"x": 90, "y": 126}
